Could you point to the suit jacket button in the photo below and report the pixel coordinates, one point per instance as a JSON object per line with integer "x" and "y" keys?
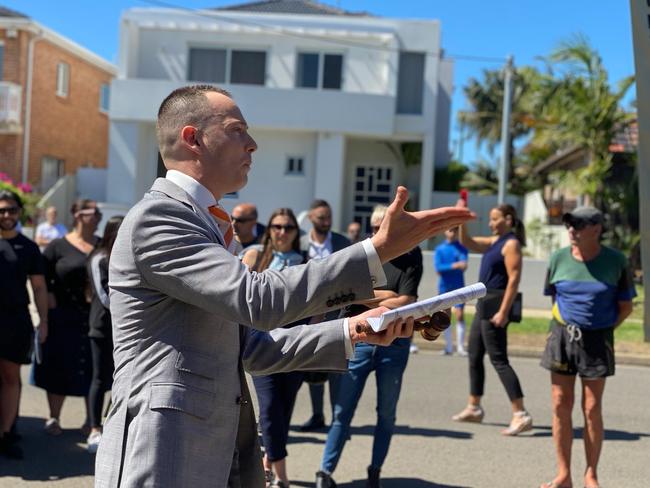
{"x": 241, "y": 400}
{"x": 337, "y": 301}
{"x": 329, "y": 303}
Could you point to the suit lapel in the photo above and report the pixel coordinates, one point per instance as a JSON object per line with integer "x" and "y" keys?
{"x": 172, "y": 190}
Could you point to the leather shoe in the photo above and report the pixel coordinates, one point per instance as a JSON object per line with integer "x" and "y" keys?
{"x": 316, "y": 422}
{"x": 324, "y": 480}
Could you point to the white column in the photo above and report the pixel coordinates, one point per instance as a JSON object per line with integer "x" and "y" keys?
{"x": 429, "y": 106}
{"x": 330, "y": 174}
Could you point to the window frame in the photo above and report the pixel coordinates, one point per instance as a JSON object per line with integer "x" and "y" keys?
{"x": 103, "y": 109}
{"x": 288, "y": 171}
{"x": 62, "y": 75}
{"x": 2, "y": 60}
{"x": 228, "y": 61}
{"x": 320, "y": 76}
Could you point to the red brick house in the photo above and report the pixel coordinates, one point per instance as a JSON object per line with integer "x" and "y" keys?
{"x": 53, "y": 103}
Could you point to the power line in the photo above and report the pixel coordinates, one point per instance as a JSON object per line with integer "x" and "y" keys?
{"x": 271, "y": 30}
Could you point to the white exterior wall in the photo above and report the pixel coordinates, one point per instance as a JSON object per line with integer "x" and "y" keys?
{"x": 285, "y": 120}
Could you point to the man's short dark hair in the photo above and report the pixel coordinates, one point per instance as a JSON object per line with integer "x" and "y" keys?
{"x": 9, "y": 195}
{"x": 318, "y": 204}
{"x": 184, "y": 106}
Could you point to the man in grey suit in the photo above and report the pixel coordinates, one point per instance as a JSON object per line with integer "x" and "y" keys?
{"x": 181, "y": 414}
{"x": 319, "y": 243}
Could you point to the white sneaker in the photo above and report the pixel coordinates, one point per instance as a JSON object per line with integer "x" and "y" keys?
{"x": 462, "y": 352}
{"x": 413, "y": 349}
{"x": 93, "y": 442}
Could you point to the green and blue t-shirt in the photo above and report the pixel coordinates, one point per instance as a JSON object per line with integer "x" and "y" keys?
{"x": 587, "y": 293}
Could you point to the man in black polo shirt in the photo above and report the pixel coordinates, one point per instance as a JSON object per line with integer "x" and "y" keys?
{"x": 403, "y": 276}
{"x": 20, "y": 260}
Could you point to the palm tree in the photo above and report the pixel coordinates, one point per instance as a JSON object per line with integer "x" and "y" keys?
{"x": 578, "y": 107}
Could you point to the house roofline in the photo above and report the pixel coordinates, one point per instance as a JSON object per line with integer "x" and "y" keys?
{"x": 33, "y": 27}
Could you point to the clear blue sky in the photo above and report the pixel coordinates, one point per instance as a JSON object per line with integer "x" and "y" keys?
{"x": 525, "y": 29}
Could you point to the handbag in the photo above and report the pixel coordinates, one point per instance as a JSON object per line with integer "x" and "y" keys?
{"x": 491, "y": 302}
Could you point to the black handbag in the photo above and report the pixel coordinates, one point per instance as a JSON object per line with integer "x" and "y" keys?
{"x": 491, "y": 302}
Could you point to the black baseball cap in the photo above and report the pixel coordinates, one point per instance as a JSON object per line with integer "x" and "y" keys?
{"x": 589, "y": 215}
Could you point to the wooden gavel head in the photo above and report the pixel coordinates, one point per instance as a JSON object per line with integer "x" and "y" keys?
{"x": 432, "y": 328}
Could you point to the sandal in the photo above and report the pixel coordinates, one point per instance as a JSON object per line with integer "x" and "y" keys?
{"x": 552, "y": 484}
{"x": 470, "y": 413}
{"x": 521, "y": 422}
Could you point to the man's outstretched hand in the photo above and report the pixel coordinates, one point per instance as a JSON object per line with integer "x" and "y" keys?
{"x": 398, "y": 328}
{"x": 401, "y": 231}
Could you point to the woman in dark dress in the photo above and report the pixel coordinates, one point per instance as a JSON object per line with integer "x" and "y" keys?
{"x": 500, "y": 273}
{"x": 101, "y": 333}
{"x": 65, "y": 368}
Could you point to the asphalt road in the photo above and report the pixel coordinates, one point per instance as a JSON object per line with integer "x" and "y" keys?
{"x": 428, "y": 449}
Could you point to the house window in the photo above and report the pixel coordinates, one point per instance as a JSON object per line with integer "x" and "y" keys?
{"x": 295, "y": 166}
{"x": 104, "y": 94}
{"x": 62, "y": 79}
{"x": 51, "y": 170}
{"x": 227, "y": 66}
{"x": 248, "y": 67}
{"x": 410, "y": 83}
{"x": 318, "y": 70}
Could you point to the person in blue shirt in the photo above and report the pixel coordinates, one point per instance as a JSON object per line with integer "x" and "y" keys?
{"x": 450, "y": 261}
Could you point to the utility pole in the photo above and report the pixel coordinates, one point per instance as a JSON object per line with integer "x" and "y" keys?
{"x": 640, "y": 12}
{"x": 504, "y": 164}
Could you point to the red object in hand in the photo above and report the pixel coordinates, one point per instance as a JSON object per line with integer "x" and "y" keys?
{"x": 463, "y": 195}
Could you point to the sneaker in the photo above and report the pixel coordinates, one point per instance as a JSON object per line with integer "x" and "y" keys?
{"x": 462, "y": 353}
{"x": 52, "y": 427}
{"x": 373, "y": 477}
{"x": 413, "y": 349}
{"x": 521, "y": 422}
{"x": 470, "y": 413}
{"x": 444, "y": 352}
{"x": 92, "y": 443}
{"x": 324, "y": 480}
{"x": 316, "y": 422}
{"x": 10, "y": 449}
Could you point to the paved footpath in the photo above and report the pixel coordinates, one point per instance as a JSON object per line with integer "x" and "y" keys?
{"x": 428, "y": 449}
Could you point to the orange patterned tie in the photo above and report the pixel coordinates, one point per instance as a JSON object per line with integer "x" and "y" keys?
{"x": 225, "y": 225}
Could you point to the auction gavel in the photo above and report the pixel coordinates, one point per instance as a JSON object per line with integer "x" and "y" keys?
{"x": 429, "y": 329}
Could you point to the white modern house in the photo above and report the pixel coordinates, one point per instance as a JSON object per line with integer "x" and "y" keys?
{"x": 330, "y": 97}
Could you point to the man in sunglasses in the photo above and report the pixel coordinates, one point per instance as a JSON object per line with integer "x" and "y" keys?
{"x": 244, "y": 222}
{"x": 592, "y": 291}
{"x": 20, "y": 260}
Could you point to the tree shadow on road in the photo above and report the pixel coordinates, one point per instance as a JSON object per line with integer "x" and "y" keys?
{"x": 578, "y": 433}
{"x": 388, "y": 483}
{"x": 399, "y": 430}
{"x": 49, "y": 458}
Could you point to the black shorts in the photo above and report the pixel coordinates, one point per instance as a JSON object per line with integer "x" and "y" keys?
{"x": 590, "y": 356}
{"x": 16, "y": 333}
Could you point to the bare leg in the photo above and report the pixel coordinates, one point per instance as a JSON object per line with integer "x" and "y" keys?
{"x": 592, "y": 396}
{"x": 280, "y": 470}
{"x": 9, "y": 394}
{"x": 56, "y": 403}
{"x": 562, "y": 399}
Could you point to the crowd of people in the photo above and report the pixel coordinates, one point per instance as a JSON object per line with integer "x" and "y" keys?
{"x": 83, "y": 341}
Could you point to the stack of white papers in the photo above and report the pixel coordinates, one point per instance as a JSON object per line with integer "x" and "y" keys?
{"x": 429, "y": 306}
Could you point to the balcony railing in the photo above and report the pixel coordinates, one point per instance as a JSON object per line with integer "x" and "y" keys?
{"x": 10, "y": 107}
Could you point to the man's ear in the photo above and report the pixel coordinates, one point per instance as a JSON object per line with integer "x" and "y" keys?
{"x": 190, "y": 138}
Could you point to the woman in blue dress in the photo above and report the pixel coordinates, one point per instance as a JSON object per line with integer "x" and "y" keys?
{"x": 276, "y": 393}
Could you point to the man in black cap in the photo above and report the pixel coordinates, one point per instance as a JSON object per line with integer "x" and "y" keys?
{"x": 592, "y": 290}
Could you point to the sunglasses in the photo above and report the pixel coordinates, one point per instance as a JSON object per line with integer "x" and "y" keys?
{"x": 90, "y": 212}
{"x": 241, "y": 220}
{"x": 577, "y": 224}
{"x": 278, "y": 227}
{"x": 9, "y": 210}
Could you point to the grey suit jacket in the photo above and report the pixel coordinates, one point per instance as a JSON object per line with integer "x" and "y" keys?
{"x": 177, "y": 297}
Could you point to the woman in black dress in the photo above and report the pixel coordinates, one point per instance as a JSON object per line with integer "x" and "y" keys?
{"x": 101, "y": 333}
{"x": 65, "y": 368}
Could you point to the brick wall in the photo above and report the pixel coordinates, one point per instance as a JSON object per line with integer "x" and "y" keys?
{"x": 72, "y": 128}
